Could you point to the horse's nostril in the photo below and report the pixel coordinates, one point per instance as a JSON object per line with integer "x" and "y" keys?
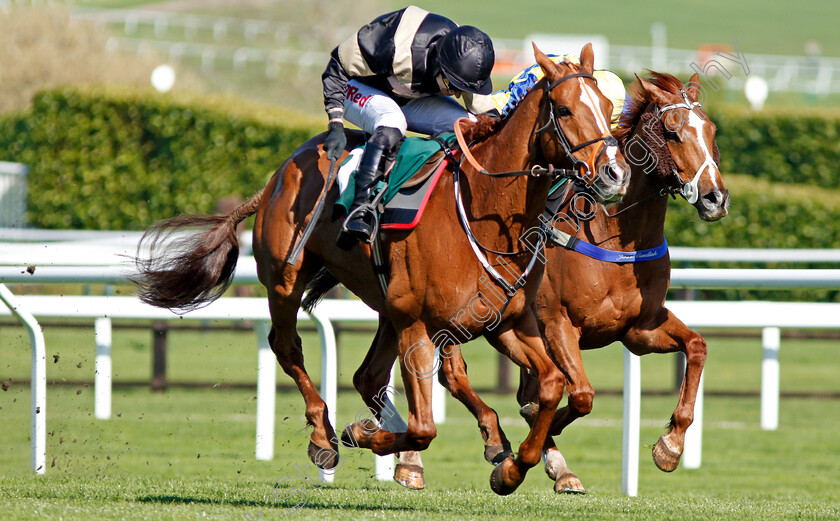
{"x": 615, "y": 174}
{"x": 713, "y": 198}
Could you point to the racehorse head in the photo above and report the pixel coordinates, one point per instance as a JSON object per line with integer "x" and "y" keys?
{"x": 574, "y": 126}
{"x": 683, "y": 138}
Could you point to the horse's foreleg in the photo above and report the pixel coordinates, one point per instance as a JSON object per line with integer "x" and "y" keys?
{"x": 417, "y": 362}
{"x": 671, "y": 336}
{"x": 525, "y": 347}
{"x": 371, "y": 380}
{"x": 453, "y": 376}
{"x": 563, "y": 343}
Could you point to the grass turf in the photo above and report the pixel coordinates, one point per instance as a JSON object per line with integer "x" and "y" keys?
{"x": 189, "y": 453}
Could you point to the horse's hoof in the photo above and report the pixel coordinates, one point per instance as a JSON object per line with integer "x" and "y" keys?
{"x": 568, "y": 483}
{"x": 357, "y": 434}
{"x": 665, "y": 457}
{"x": 323, "y": 457}
{"x": 500, "y": 457}
{"x": 500, "y": 481}
{"x": 410, "y": 476}
{"x": 529, "y": 412}
{"x": 348, "y": 437}
{"x": 494, "y": 454}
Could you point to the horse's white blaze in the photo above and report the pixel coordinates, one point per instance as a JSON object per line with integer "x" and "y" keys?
{"x": 696, "y": 122}
{"x": 588, "y": 97}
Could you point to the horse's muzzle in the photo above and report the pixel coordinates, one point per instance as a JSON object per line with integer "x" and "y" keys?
{"x": 713, "y": 205}
{"x": 612, "y": 180}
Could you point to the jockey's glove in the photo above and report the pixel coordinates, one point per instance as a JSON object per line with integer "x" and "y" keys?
{"x": 335, "y": 141}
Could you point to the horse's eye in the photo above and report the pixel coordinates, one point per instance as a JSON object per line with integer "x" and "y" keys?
{"x": 563, "y": 111}
{"x": 670, "y": 135}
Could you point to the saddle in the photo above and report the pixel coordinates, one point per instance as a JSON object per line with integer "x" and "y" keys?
{"x": 411, "y": 181}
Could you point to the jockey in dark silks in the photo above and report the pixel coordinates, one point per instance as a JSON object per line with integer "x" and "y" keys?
{"x": 395, "y": 74}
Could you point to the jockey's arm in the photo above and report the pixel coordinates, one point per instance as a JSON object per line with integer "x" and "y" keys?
{"x": 334, "y": 80}
{"x": 346, "y": 61}
{"x": 480, "y": 104}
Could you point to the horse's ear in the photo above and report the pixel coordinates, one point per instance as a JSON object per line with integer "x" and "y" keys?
{"x": 692, "y": 88}
{"x": 587, "y": 59}
{"x": 652, "y": 92}
{"x": 648, "y": 87}
{"x": 544, "y": 62}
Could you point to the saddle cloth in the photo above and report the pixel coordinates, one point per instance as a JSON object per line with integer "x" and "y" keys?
{"x": 407, "y": 191}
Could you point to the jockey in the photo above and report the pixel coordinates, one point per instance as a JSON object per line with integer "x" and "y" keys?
{"x": 397, "y": 73}
{"x": 609, "y": 83}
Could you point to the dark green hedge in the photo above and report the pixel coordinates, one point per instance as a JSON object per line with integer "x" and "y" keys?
{"x": 781, "y": 146}
{"x": 762, "y": 215}
{"x": 122, "y": 160}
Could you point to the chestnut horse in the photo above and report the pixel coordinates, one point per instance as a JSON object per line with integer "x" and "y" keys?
{"x": 584, "y": 303}
{"x": 435, "y": 272}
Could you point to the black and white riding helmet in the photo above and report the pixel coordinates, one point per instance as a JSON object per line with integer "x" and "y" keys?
{"x": 466, "y": 57}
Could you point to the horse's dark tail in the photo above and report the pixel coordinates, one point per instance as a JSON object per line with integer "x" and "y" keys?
{"x": 190, "y": 258}
{"x": 321, "y": 283}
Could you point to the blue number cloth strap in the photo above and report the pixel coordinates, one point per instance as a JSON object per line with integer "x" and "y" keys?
{"x": 590, "y": 250}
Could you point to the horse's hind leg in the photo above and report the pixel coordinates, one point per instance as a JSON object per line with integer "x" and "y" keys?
{"x": 284, "y": 301}
{"x": 671, "y": 336}
{"x": 453, "y": 376}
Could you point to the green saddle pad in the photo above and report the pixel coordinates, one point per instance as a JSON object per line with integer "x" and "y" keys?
{"x": 414, "y": 153}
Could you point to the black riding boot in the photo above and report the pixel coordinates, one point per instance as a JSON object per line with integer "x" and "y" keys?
{"x": 359, "y": 223}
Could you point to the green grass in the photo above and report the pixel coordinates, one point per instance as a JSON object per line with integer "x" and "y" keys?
{"x": 189, "y": 453}
{"x": 219, "y": 357}
{"x": 754, "y": 24}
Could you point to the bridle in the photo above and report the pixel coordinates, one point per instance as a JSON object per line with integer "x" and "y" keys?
{"x": 687, "y": 189}
{"x": 586, "y": 167}
{"x": 578, "y": 166}
{"x": 674, "y": 185}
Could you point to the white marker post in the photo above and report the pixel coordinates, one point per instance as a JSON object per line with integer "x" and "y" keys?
{"x": 771, "y": 343}
{"x": 266, "y": 389}
{"x": 385, "y": 464}
{"x": 102, "y": 378}
{"x": 756, "y": 90}
{"x": 632, "y": 411}
{"x": 693, "y": 445}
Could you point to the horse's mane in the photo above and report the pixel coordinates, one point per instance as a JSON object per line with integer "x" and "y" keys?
{"x": 640, "y": 99}
{"x": 483, "y": 128}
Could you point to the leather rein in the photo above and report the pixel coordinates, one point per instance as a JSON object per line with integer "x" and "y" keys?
{"x": 535, "y": 171}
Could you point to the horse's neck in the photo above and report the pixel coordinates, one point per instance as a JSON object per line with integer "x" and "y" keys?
{"x": 642, "y": 226}
{"x": 509, "y": 149}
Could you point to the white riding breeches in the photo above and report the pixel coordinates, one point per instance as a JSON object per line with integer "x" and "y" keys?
{"x": 370, "y": 108}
